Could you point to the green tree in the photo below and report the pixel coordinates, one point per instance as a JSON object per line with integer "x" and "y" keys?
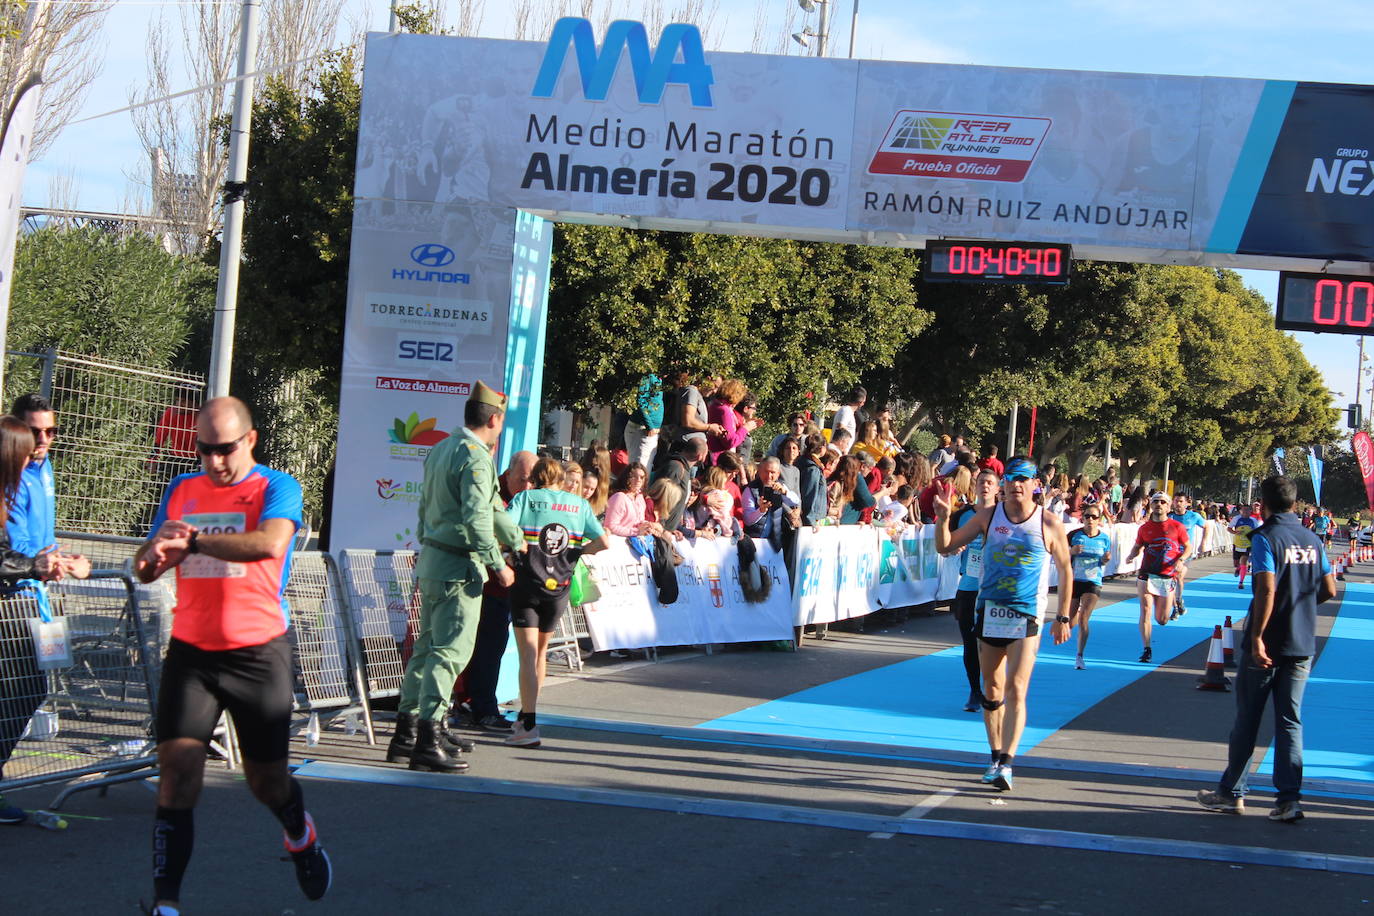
{"x": 121, "y": 299}
{"x": 785, "y": 316}
{"x": 293, "y": 293}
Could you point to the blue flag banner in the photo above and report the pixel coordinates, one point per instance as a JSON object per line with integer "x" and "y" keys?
{"x": 1315, "y": 465}
{"x": 1278, "y": 462}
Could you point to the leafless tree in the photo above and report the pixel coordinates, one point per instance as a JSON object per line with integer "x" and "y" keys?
{"x": 186, "y": 156}
{"x": 59, "y": 42}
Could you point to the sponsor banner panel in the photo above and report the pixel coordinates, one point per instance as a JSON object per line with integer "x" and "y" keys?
{"x": 429, "y": 299}
{"x": 816, "y": 596}
{"x": 710, "y": 608}
{"x": 1315, "y": 197}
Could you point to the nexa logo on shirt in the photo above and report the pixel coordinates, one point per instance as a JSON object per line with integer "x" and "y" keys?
{"x": 653, "y": 71}
{"x": 1304, "y": 555}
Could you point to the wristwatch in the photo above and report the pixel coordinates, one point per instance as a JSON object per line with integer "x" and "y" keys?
{"x": 191, "y": 545}
{"x": 1062, "y": 620}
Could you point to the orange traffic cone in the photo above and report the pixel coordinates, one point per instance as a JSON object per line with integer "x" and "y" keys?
{"x": 1340, "y": 568}
{"x": 1228, "y": 643}
{"x": 1214, "y": 675}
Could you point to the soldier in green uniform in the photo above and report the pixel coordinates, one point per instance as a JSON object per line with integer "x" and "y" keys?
{"x": 462, "y": 528}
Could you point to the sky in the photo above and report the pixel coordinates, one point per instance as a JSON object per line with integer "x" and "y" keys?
{"x": 1320, "y": 40}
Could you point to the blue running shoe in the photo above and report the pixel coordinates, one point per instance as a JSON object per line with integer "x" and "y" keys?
{"x": 1003, "y": 779}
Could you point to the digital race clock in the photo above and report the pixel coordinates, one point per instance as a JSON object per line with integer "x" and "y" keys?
{"x": 1325, "y": 302}
{"x": 952, "y": 261}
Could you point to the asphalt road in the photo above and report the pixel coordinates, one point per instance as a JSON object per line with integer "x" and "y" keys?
{"x": 630, "y": 807}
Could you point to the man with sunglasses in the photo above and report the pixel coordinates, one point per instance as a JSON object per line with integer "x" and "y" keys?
{"x": 32, "y": 523}
{"x": 1020, "y": 541}
{"x": 227, "y": 531}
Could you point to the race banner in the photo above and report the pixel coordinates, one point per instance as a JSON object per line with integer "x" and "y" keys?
{"x": 711, "y": 606}
{"x": 1364, "y": 454}
{"x": 1138, "y": 167}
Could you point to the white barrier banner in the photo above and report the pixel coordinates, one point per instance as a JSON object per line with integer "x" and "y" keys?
{"x": 852, "y": 570}
{"x": 710, "y": 608}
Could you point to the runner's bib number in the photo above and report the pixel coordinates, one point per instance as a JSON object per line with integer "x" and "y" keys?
{"x": 1003, "y": 623}
{"x": 1160, "y": 585}
{"x": 975, "y": 563}
{"x": 1085, "y": 563}
{"x": 198, "y": 565}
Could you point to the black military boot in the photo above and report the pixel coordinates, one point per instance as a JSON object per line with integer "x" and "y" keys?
{"x": 403, "y": 739}
{"x": 429, "y": 752}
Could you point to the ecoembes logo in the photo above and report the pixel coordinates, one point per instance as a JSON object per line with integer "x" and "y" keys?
{"x": 653, "y": 70}
{"x": 942, "y": 144}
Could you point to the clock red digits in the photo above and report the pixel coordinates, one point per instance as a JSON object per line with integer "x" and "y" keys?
{"x": 1319, "y": 302}
{"x": 1359, "y": 289}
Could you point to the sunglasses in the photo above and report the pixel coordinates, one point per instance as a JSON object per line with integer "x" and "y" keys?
{"x": 39, "y": 432}
{"x": 1017, "y": 478}
{"x": 223, "y": 449}
{"x": 1091, "y": 517}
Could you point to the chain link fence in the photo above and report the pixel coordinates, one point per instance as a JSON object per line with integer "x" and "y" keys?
{"x": 124, "y": 433}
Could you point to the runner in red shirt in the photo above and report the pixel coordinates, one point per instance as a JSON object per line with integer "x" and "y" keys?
{"x": 1165, "y": 547}
{"x": 227, "y": 531}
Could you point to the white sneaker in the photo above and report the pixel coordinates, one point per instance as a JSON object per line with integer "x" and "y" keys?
{"x": 1078, "y": 663}
{"x": 521, "y": 736}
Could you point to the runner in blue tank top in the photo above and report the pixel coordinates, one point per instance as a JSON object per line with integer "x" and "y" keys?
{"x": 1020, "y": 541}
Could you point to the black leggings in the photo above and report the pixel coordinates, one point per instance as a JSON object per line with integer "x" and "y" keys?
{"x": 964, "y": 602}
{"x": 23, "y": 688}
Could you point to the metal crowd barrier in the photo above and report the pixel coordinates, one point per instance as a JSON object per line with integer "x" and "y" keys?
{"x": 87, "y": 720}
{"x": 380, "y": 585}
{"x": 325, "y": 644}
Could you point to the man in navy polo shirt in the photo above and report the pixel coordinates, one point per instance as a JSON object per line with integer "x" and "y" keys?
{"x": 1291, "y": 576}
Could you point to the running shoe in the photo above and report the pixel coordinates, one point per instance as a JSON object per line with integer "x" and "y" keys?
{"x": 495, "y": 723}
{"x": 521, "y": 736}
{"x": 160, "y": 909}
{"x": 1147, "y": 655}
{"x": 991, "y": 774}
{"x": 11, "y": 814}
{"x": 974, "y": 702}
{"x": 1289, "y": 812}
{"x": 313, "y": 871}
{"x": 1078, "y": 663}
{"x": 1241, "y": 587}
{"x": 1003, "y": 780}
{"x": 1179, "y": 609}
{"x": 1226, "y": 804}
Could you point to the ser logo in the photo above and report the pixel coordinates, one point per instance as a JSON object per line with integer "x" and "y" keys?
{"x": 653, "y": 70}
{"x": 432, "y": 256}
{"x": 434, "y": 351}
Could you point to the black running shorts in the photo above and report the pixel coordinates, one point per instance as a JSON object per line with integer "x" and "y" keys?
{"x": 1032, "y": 629}
{"x": 253, "y": 683}
{"x": 1082, "y": 587}
{"x": 530, "y": 609}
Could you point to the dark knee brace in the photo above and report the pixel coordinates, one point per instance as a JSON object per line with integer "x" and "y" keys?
{"x": 992, "y": 705}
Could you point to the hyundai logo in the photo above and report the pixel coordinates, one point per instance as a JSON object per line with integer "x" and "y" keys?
{"x": 432, "y": 255}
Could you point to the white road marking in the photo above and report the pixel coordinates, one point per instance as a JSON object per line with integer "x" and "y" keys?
{"x": 927, "y": 805}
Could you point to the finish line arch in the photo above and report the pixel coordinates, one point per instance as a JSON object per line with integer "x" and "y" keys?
{"x": 469, "y": 148}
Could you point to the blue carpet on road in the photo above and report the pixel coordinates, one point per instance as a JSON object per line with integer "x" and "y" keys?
{"x": 1338, "y": 708}
{"x": 919, "y": 703}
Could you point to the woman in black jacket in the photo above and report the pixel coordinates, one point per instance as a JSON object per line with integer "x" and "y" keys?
{"x": 23, "y": 688}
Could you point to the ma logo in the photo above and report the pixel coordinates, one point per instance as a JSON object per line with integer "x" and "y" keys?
{"x": 653, "y": 71}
